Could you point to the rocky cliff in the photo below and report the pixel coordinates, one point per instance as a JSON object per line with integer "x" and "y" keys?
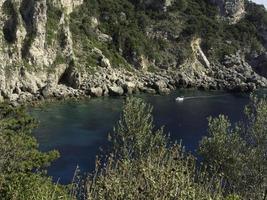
{"x": 72, "y": 48}
{"x": 232, "y": 10}
{"x": 29, "y": 45}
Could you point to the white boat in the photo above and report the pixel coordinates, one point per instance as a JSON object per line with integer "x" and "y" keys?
{"x": 180, "y": 99}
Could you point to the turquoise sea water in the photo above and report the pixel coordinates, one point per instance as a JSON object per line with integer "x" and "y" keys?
{"x": 79, "y": 129}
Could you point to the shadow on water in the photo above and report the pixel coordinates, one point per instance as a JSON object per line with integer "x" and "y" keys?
{"x": 79, "y": 129}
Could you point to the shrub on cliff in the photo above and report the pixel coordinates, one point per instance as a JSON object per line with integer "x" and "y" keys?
{"x": 239, "y": 152}
{"x": 22, "y": 175}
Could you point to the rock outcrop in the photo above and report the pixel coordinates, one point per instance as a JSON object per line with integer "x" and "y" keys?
{"x": 232, "y": 10}
{"x": 28, "y": 61}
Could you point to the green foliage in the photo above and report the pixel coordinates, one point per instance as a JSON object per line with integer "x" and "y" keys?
{"x": 233, "y": 197}
{"x": 22, "y": 174}
{"x": 239, "y": 152}
{"x": 132, "y": 25}
{"x": 180, "y": 5}
{"x": 60, "y": 59}
{"x": 144, "y": 165}
{"x": 134, "y": 137}
{"x": 32, "y": 186}
{"x": 126, "y": 35}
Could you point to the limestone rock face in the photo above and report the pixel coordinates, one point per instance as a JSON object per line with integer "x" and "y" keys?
{"x": 68, "y": 5}
{"x": 27, "y": 60}
{"x": 37, "y": 49}
{"x": 199, "y": 54}
{"x": 233, "y": 10}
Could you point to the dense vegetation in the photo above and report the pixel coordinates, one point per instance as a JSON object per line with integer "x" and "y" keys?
{"x": 22, "y": 175}
{"x": 238, "y": 152}
{"x": 163, "y": 37}
{"x": 143, "y": 163}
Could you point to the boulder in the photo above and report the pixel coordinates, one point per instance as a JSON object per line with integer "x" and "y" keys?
{"x": 25, "y": 96}
{"x": 104, "y": 37}
{"x": 13, "y": 97}
{"x": 160, "y": 86}
{"x": 105, "y": 90}
{"x": 251, "y": 87}
{"x": 96, "y": 92}
{"x": 47, "y": 91}
{"x": 149, "y": 91}
{"x": 105, "y": 62}
{"x": 129, "y": 87}
{"x": 164, "y": 91}
{"x": 29, "y": 84}
{"x": 116, "y": 91}
{"x": 94, "y": 22}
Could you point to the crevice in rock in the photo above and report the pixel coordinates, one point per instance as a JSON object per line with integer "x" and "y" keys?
{"x": 63, "y": 39}
{"x": 9, "y": 30}
{"x": 70, "y": 77}
{"x": 2, "y": 94}
{"x": 27, "y": 13}
{"x": 10, "y": 26}
{"x": 65, "y": 77}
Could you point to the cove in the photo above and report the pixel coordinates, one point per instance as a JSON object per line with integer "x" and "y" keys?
{"x": 79, "y": 129}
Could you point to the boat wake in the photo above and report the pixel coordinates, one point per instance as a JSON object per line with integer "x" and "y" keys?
{"x": 181, "y": 99}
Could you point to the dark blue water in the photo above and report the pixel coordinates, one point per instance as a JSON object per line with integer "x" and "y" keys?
{"x": 78, "y": 129}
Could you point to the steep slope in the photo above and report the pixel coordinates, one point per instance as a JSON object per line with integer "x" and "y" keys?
{"x": 66, "y": 48}
{"x": 35, "y": 37}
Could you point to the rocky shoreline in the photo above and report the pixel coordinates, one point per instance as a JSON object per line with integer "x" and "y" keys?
{"x": 234, "y": 74}
{"x": 119, "y": 82}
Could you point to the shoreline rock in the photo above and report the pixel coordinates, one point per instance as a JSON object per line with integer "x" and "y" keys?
{"x": 119, "y": 82}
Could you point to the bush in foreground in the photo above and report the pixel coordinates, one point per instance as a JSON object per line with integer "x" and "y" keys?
{"x": 239, "y": 152}
{"x": 145, "y": 165}
{"x": 22, "y": 175}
